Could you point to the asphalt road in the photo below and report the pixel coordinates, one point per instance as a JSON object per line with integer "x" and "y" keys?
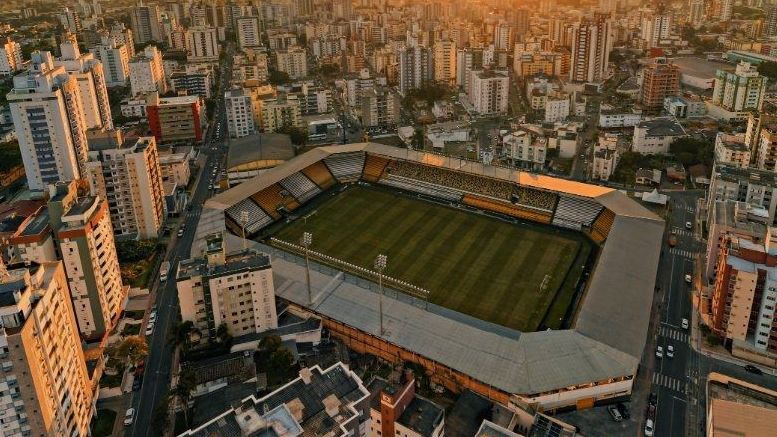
{"x": 156, "y": 379}
{"x": 680, "y": 381}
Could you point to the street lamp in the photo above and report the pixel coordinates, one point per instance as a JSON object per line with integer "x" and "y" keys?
{"x": 380, "y": 265}
{"x": 306, "y": 241}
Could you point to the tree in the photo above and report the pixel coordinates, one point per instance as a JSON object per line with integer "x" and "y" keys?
{"x": 768, "y": 69}
{"x": 329, "y": 69}
{"x": 222, "y": 334}
{"x": 134, "y": 347}
{"x": 278, "y": 77}
{"x": 182, "y": 391}
{"x": 417, "y": 140}
{"x": 281, "y": 366}
{"x": 161, "y": 417}
{"x": 690, "y": 151}
{"x": 298, "y": 136}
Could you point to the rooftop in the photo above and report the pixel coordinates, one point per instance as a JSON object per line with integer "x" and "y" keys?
{"x": 81, "y": 206}
{"x": 661, "y": 127}
{"x": 732, "y": 173}
{"x": 422, "y": 416}
{"x": 265, "y": 150}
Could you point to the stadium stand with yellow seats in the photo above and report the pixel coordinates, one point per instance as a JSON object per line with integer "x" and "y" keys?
{"x": 453, "y": 179}
{"x": 601, "y": 226}
{"x": 536, "y": 198}
{"x": 374, "y": 168}
{"x": 300, "y": 186}
{"x": 272, "y": 198}
{"x": 319, "y": 174}
{"x": 421, "y": 187}
{"x": 575, "y": 213}
{"x": 247, "y": 213}
{"x": 506, "y": 208}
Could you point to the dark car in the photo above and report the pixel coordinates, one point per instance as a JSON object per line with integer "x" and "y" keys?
{"x": 653, "y": 399}
{"x": 624, "y": 410}
{"x": 752, "y": 369}
{"x": 136, "y": 384}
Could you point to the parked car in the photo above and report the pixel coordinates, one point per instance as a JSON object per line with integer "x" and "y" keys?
{"x": 688, "y": 278}
{"x": 150, "y": 328}
{"x": 180, "y": 233}
{"x": 653, "y": 399}
{"x": 624, "y": 410}
{"x": 660, "y": 352}
{"x": 670, "y": 351}
{"x": 684, "y": 324}
{"x": 129, "y": 417}
{"x": 649, "y": 428}
{"x": 616, "y": 415}
{"x": 688, "y": 225}
{"x": 752, "y": 369}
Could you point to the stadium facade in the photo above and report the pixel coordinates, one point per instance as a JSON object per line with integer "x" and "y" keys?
{"x": 593, "y": 361}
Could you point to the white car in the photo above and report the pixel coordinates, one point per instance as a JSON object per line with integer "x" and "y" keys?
{"x": 150, "y": 328}
{"x": 688, "y": 278}
{"x": 688, "y": 225}
{"x": 152, "y": 317}
{"x": 660, "y": 352}
{"x": 129, "y": 417}
{"x": 649, "y": 428}
{"x": 684, "y": 324}
{"x": 670, "y": 351}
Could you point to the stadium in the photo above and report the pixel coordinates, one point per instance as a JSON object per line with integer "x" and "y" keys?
{"x": 531, "y": 290}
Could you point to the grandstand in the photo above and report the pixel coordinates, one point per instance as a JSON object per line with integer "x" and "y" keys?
{"x": 591, "y": 360}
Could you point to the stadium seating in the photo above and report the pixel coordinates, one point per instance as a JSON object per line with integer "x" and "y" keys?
{"x": 574, "y": 213}
{"x": 319, "y": 174}
{"x": 449, "y": 178}
{"x": 300, "y": 187}
{"x": 272, "y": 198}
{"x": 421, "y": 187}
{"x": 257, "y": 219}
{"x": 506, "y": 208}
{"x": 601, "y": 226}
{"x": 536, "y": 198}
{"x": 346, "y": 167}
{"x": 374, "y": 167}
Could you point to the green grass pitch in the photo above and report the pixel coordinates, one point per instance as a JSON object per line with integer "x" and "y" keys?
{"x": 471, "y": 263}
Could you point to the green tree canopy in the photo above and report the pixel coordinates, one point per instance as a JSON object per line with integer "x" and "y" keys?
{"x": 691, "y": 151}
{"x": 134, "y": 347}
{"x": 768, "y": 69}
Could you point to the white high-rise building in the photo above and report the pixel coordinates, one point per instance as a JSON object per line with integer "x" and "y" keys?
{"x": 147, "y": 73}
{"x": 128, "y": 176}
{"x": 445, "y": 62}
{"x": 742, "y": 90}
{"x": 655, "y": 28}
{"x": 90, "y": 76}
{"x": 202, "y": 44}
{"x": 10, "y": 57}
{"x": 416, "y": 67}
{"x": 696, "y": 13}
{"x": 49, "y": 121}
{"x": 488, "y": 91}
{"x": 726, "y": 8}
{"x": 591, "y": 45}
{"x": 466, "y": 61}
{"x": 146, "y": 24}
{"x": 240, "y": 118}
{"x": 248, "y": 34}
{"x": 292, "y": 61}
{"x": 234, "y": 289}
{"x": 114, "y": 56}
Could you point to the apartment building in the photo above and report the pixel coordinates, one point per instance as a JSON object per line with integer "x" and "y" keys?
{"x": 234, "y": 289}
{"x": 606, "y": 157}
{"x": 738, "y": 91}
{"x": 729, "y": 218}
{"x": 379, "y": 107}
{"x": 147, "y": 73}
{"x": 416, "y": 67}
{"x": 488, "y": 91}
{"x": 249, "y": 65}
{"x": 248, "y": 32}
{"x": 82, "y": 227}
{"x": 128, "y": 176}
{"x": 754, "y": 187}
{"x": 176, "y": 119}
{"x": 10, "y": 57}
{"x": 526, "y": 147}
{"x": 202, "y": 44}
{"x": 445, "y": 62}
{"x": 557, "y": 106}
{"x": 90, "y": 77}
{"x": 467, "y": 60}
{"x": 44, "y": 387}
{"x": 660, "y": 79}
{"x": 731, "y": 149}
{"x": 743, "y": 300}
{"x": 292, "y": 61}
{"x": 655, "y": 28}
{"x": 192, "y": 83}
{"x": 49, "y": 121}
{"x": 321, "y": 402}
{"x": 114, "y": 56}
{"x": 396, "y": 410}
{"x": 592, "y": 42}
{"x": 240, "y": 118}
{"x": 279, "y": 112}
{"x": 656, "y": 135}
{"x": 146, "y": 23}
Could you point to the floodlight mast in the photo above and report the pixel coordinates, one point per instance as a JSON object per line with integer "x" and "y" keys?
{"x": 306, "y": 241}
{"x": 380, "y": 265}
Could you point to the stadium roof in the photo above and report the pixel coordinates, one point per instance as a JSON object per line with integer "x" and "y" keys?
{"x": 610, "y": 329}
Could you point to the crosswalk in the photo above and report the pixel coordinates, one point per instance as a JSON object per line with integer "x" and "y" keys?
{"x": 669, "y": 382}
{"x": 682, "y": 232}
{"x": 673, "y": 334}
{"x": 689, "y": 209}
{"x": 682, "y": 252}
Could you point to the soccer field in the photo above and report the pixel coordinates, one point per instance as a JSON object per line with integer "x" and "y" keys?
{"x": 471, "y": 263}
